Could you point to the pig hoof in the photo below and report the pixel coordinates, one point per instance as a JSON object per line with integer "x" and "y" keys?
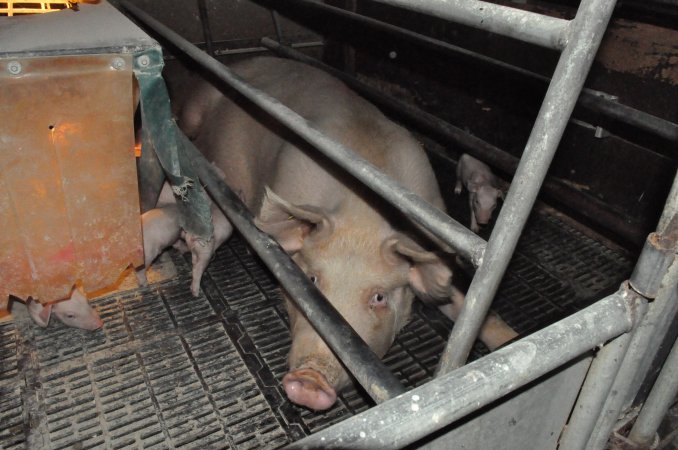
{"x": 195, "y": 290}
{"x": 309, "y": 388}
{"x": 457, "y": 191}
{"x": 141, "y": 277}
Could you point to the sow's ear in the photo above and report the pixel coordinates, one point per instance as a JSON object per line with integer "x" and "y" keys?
{"x": 290, "y": 224}
{"x": 38, "y": 312}
{"x": 429, "y": 276}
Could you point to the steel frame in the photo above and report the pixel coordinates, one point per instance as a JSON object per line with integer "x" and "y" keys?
{"x": 621, "y": 313}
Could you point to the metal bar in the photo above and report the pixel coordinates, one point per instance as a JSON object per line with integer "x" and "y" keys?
{"x": 365, "y": 366}
{"x": 659, "y": 252}
{"x": 642, "y": 350}
{"x": 590, "y": 207}
{"x": 276, "y": 24}
{"x": 448, "y": 230}
{"x": 247, "y": 50}
{"x": 539, "y": 29}
{"x": 594, "y": 100}
{"x": 658, "y": 402}
{"x": 586, "y": 33}
{"x": 630, "y": 116}
{"x": 430, "y": 407}
{"x": 205, "y": 22}
{"x": 594, "y": 392}
{"x": 668, "y": 221}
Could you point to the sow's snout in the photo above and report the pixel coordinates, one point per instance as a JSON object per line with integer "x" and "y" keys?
{"x": 308, "y": 387}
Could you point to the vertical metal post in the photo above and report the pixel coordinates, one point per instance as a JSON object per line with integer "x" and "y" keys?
{"x": 669, "y": 218}
{"x": 651, "y": 332}
{"x": 585, "y": 34}
{"x": 643, "y": 347}
{"x": 204, "y": 20}
{"x": 276, "y": 24}
{"x": 598, "y": 382}
{"x": 658, "y": 402}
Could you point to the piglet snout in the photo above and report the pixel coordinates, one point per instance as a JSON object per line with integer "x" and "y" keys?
{"x": 309, "y": 388}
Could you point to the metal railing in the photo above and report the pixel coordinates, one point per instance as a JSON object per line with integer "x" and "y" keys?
{"x": 585, "y": 32}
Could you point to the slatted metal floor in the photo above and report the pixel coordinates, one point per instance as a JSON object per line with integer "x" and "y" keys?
{"x": 172, "y": 371}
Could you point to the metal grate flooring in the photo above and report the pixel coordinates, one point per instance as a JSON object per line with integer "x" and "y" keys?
{"x": 172, "y": 371}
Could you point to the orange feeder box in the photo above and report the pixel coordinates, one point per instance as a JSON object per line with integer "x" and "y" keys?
{"x": 69, "y": 202}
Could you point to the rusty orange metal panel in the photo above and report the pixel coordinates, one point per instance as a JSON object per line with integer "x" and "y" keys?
{"x": 68, "y": 165}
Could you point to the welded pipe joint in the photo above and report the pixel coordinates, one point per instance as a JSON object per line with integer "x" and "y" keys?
{"x": 659, "y": 252}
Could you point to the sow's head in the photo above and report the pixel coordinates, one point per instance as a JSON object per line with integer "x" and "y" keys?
{"x": 367, "y": 271}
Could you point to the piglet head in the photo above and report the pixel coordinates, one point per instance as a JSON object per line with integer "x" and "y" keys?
{"x": 73, "y": 312}
{"x": 484, "y": 201}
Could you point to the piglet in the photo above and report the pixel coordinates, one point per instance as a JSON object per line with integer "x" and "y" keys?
{"x": 73, "y": 312}
{"x": 482, "y": 187}
{"x": 161, "y": 228}
{"x": 202, "y": 251}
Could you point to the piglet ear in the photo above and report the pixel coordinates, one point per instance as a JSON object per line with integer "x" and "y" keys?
{"x": 290, "y": 224}
{"x": 429, "y": 276}
{"x": 39, "y": 313}
{"x": 500, "y": 194}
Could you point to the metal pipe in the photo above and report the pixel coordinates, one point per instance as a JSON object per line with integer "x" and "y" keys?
{"x": 638, "y": 360}
{"x": 658, "y": 254}
{"x": 650, "y": 334}
{"x": 365, "y": 366}
{"x": 276, "y": 24}
{"x": 588, "y": 206}
{"x": 658, "y": 402}
{"x": 668, "y": 222}
{"x": 586, "y": 33}
{"x": 593, "y": 393}
{"x": 448, "y": 230}
{"x": 432, "y": 406}
{"x": 550, "y": 32}
{"x": 594, "y": 100}
{"x": 205, "y": 22}
{"x": 630, "y": 116}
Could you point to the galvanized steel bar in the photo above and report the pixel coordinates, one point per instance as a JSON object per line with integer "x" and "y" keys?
{"x": 590, "y": 207}
{"x": 593, "y": 393}
{"x": 586, "y": 32}
{"x": 430, "y": 407}
{"x": 367, "y": 368}
{"x": 642, "y": 350}
{"x": 598, "y": 101}
{"x": 658, "y": 402}
{"x": 651, "y": 331}
{"x": 448, "y": 230}
{"x": 658, "y": 254}
{"x": 550, "y": 32}
{"x": 668, "y": 222}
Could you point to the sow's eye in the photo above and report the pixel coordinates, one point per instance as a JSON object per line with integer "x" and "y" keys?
{"x": 378, "y": 300}
{"x": 313, "y": 278}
